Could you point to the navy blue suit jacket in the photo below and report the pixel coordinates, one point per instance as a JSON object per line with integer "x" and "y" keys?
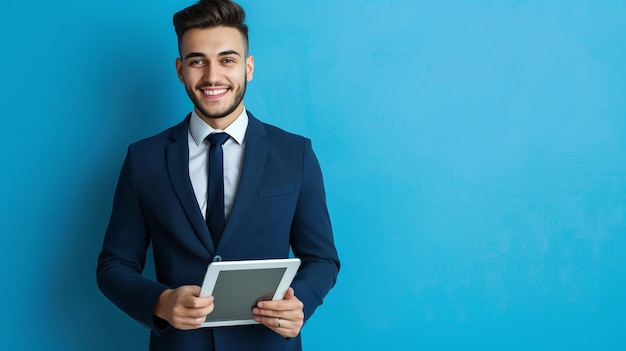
{"x": 280, "y": 204}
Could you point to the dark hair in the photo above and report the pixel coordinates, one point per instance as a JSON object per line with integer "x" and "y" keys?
{"x": 211, "y": 13}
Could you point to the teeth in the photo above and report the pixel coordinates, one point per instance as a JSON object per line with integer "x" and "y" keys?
{"x": 214, "y": 92}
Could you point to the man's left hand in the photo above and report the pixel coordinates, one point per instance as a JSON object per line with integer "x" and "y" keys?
{"x": 285, "y": 316}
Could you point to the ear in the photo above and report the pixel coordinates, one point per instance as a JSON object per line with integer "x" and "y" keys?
{"x": 249, "y": 67}
{"x": 179, "y": 70}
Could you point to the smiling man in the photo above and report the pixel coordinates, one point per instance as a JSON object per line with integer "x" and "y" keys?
{"x": 220, "y": 185}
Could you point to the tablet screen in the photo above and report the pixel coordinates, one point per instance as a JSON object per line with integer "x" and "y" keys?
{"x": 229, "y": 292}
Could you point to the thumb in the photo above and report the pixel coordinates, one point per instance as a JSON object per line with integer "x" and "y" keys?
{"x": 290, "y": 294}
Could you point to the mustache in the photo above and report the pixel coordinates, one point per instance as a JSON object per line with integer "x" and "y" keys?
{"x": 211, "y": 85}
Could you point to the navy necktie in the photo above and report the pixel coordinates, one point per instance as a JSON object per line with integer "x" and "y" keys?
{"x": 215, "y": 218}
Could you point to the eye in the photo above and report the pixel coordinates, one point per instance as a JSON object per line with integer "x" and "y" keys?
{"x": 196, "y": 62}
{"x": 228, "y": 60}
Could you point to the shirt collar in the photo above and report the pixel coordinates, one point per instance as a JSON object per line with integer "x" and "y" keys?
{"x": 200, "y": 130}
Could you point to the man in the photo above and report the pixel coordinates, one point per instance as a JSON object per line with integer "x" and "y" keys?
{"x": 272, "y": 200}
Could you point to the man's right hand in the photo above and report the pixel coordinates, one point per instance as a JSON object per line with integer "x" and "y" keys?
{"x": 182, "y": 307}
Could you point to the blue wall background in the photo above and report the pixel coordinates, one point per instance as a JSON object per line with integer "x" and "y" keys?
{"x": 473, "y": 153}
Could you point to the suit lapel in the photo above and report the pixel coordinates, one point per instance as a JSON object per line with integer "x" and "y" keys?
{"x": 251, "y": 173}
{"x": 178, "y": 168}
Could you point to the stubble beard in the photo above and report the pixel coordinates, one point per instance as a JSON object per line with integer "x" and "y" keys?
{"x": 239, "y": 94}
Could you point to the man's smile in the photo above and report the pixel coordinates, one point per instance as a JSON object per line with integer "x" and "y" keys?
{"x": 213, "y": 93}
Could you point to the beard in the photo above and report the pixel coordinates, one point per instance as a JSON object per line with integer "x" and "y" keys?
{"x": 239, "y": 93}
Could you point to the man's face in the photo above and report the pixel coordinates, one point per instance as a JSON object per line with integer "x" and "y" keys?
{"x": 214, "y": 68}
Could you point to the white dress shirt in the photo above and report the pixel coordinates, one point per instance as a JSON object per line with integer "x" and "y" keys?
{"x": 233, "y": 158}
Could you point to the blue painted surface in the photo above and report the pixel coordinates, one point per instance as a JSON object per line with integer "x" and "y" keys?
{"x": 473, "y": 154}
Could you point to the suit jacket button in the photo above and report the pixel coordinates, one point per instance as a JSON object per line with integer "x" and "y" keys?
{"x": 217, "y": 258}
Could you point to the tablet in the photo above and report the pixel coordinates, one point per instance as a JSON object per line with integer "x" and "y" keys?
{"x": 238, "y": 285}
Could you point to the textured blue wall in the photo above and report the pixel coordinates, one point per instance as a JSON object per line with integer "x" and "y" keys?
{"x": 473, "y": 153}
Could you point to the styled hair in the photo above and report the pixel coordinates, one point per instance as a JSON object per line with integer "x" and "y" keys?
{"x": 211, "y": 13}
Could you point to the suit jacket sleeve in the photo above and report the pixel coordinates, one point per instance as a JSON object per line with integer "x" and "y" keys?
{"x": 123, "y": 255}
{"x": 312, "y": 238}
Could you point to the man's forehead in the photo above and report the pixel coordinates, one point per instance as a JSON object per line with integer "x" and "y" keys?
{"x": 213, "y": 41}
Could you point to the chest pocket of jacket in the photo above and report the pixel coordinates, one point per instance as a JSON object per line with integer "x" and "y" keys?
{"x": 277, "y": 190}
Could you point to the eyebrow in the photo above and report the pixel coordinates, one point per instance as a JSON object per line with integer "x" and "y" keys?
{"x": 229, "y": 52}
{"x": 223, "y": 53}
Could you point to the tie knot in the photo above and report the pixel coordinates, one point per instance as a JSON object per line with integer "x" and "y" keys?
{"x": 217, "y": 138}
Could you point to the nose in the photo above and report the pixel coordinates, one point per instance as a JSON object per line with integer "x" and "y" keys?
{"x": 211, "y": 74}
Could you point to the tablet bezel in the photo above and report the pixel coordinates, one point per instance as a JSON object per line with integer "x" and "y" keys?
{"x": 290, "y": 265}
